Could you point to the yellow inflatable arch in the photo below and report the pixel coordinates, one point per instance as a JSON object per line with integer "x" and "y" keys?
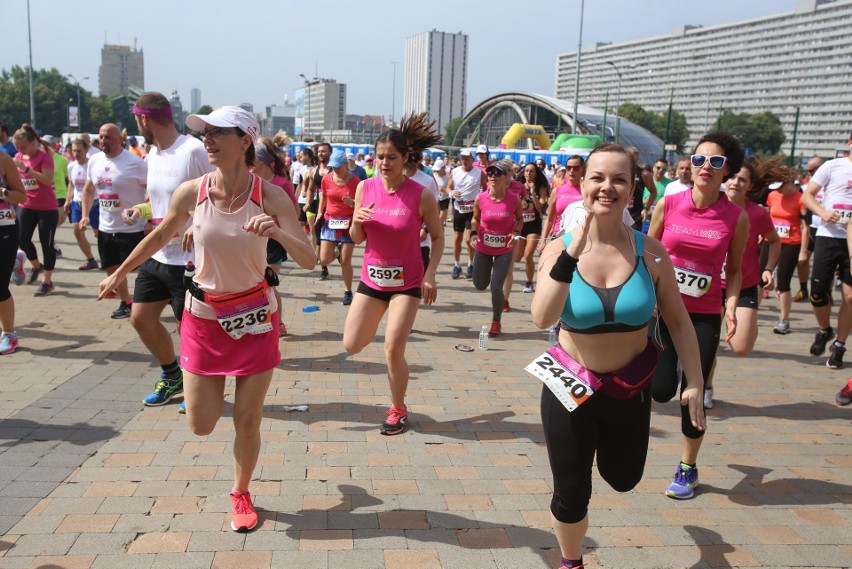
{"x": 518, "y": 131}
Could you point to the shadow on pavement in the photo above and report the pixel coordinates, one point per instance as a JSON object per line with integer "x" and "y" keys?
{"x": 423, "y": 525}
{"x": 712, "y": 547}
{"x": 754, "y": 490}
{"x": 23, "y": 431}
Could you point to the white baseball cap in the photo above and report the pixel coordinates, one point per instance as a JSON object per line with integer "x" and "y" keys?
{"x": 438, "y": 164}
{"x": 227, "y": 116}
{"x": 466, "y": 152}
{"x": 482, "y": 149}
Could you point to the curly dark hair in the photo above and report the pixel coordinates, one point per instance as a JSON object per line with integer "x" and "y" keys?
{"x": 730, "y": 146}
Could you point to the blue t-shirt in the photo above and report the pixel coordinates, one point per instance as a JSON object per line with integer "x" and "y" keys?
{"x": 9, "y": 148}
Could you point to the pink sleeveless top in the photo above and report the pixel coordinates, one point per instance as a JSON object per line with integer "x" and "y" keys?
{"x": 566, "y": 194}
{"x": 759, "y": 223}
{"x": 228, "y": 259}
{"x": 496, "y": 221}
{"x": 697, "y": 240}
{"x": 392, "y": 260}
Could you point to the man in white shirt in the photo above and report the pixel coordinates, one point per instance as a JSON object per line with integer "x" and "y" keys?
{"x": 684, "y": 178}
{"x": 466, "y": 182}
{"x": 174, "y": 158}
{"x": 831, "y": 252}
{"x": 117, "y": 179}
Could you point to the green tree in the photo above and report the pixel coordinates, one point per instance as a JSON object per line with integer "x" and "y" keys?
{"x": 760, "y": 132}
{"x": 204, "y": 110}
{"x": 451, "y": 128}
{"x": 53, "y": 94}
{"x": 656, "y": 123}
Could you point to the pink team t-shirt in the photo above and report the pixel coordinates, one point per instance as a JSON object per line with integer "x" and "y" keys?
{"x": 496, "y": 222}
{"x": 392, "y": 260}
{"x": 566, "y": 194}
{"x": 759, "y": 223}
{"x": 697, "y": 240}
{"x": 39, "y": 196}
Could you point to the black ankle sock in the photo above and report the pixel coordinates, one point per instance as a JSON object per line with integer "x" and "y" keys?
{"x": 569, "y": 563}
{"x": 172, "y": 370}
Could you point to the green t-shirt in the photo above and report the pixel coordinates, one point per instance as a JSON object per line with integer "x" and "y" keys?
{"x": 661, "y": 189}
{"x": 60, "y": 170}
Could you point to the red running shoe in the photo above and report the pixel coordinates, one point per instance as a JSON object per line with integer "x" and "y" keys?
{"x": 244, "y": 516}
{"x": 495, "y": 329}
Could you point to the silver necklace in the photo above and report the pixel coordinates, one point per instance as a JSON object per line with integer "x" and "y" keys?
{"x": 235, "y": 198}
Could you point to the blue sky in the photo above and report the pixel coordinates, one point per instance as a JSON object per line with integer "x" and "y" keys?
{"x": 254, "y": 51}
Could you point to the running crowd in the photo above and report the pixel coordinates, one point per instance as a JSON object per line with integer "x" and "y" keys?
{"x": 664, "y": 255}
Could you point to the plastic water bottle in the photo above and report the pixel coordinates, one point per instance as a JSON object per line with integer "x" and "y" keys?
{"x": 188, "y": 273}
{"x": 552, "y": 335}
{"x": 312, "y": 308}
{"x": 483, "y": 338}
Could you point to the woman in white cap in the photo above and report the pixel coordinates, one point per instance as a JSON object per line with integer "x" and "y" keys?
{"x": 229, "y": 326}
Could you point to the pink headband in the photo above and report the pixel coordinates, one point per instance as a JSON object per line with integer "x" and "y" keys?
{"x": 165, "y": 112}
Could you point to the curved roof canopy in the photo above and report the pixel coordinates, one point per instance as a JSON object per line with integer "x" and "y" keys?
{"x": 489, "y": 121}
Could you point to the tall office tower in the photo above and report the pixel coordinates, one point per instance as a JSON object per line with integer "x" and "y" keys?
{"x": 436, "y": 76}
{"x": 122, "y": 67}
{"x": 194, "y": 99}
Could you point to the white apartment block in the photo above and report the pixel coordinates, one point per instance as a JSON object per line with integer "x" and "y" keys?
{"x": 801, "y": 58}
{"x": 436, "y": 76}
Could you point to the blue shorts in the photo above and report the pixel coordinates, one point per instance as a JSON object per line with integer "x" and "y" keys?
{"x": 335, "y": 235}
{"x": 94, "y": 215}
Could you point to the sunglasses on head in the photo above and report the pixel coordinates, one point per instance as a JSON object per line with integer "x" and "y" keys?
{"x": 716, "y": 162}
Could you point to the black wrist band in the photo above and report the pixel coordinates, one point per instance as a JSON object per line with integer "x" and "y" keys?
{"x": 564, "y": 267}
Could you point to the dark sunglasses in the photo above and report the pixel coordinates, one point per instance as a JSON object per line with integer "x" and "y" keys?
{"x": 660, "y": 168}
{"x": 494, "y": 172}
{"x": 716, "y": 162}
{"x": 218, "y": 131}
{"x": 572, "y": 168}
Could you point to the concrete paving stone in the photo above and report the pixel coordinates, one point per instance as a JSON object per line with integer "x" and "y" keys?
{"x": 431, "y": 538}
{"x": 36, "y": 524}
{"x": 194, "y": 560}
{"x": 16, "y": 562}
{"x": 143, "y": 523}
{"x": 126, "y": 504}
{"x": 82, "y": 505}
{"x": 301, "y": 559}
{"x": 36, "y": 544}
{"x": 102, "y": 543}
{"x": 216, "y": 541}
{"x": 141, "y": 561}
{"x": 23, "y": 488}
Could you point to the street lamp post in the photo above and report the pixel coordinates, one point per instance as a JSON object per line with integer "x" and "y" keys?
{"x": 79, "y": 109}
{"x": 393, "y": 96}
{"x": 308, "y": 104}
{"x": 617, "y": 102}
{"x": 577, "y": 72}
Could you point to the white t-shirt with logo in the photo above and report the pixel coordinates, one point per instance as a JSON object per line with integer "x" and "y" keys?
{"x": 430, "y": 184}
{"x": 77, "y": 179}
{"x": 467, "y": 183}
{"x": 835, "y": 179}
{"x": 119, "y": 183}
{"x": 184, "y": 160}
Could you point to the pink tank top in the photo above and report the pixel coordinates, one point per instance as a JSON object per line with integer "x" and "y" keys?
{"x": 228, "y": 259}
{"x": 496, "y": 221}
{"x": 285, "y": 185}
{"x": 566, "y": 194}
{"x": 39, "y": 196}
{"x": 759, "y": 223}
{"x": 697, "y": 240}
{"x": 392, "y": 260}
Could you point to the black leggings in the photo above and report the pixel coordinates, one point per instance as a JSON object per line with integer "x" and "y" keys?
{"x": 617, "y": 430}
{"x": 46, "y": 221}
{"x": 492, "y": 269}
{"x": 664, "y": 385}
{"x": 8, "y": 251}
{"x": 788, "y": 261}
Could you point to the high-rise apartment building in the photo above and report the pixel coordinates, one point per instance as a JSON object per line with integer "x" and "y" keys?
{"x": 794, "y": 60}
{"x": 122, "y": 67}
{"x": 321, "y": 106}
{"x": 436, "y": 75}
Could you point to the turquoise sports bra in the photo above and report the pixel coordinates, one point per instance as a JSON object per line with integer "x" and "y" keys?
{"x": 625, "y": 308}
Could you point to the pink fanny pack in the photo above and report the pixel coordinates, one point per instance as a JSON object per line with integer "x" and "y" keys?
{"x": 622, "y": 384}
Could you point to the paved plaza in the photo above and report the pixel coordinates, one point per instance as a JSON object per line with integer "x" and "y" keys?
{"x": 91, "y": 478}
